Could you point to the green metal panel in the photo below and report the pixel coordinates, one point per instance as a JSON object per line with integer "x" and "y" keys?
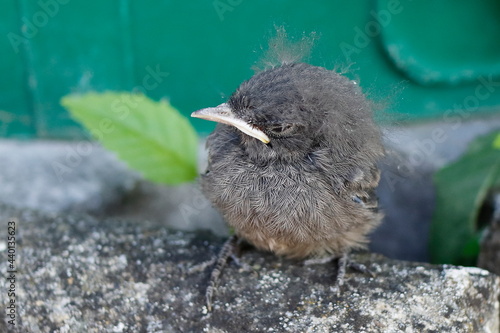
{"x": 16, "y": 113}
{"x": 76, "y": 46}
{"x": 432, "y": 48}
{"x": 208, "y": 53}
{"x": 196, "y": 53}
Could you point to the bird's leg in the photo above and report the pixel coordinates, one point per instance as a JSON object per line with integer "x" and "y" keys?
{"x": 341, "y": 269}
{"x": 225, "y": 253}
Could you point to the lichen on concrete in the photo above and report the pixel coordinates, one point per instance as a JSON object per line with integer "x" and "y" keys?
{"x": 84, "y": 274}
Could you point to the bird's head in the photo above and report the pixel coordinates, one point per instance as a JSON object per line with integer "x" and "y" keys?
{"x": 288, "y": 111}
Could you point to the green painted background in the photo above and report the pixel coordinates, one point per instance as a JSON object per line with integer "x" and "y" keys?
{"x": 424, "y": 57}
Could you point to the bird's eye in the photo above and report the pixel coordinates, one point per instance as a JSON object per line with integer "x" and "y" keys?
{"x": 282, "y": 129}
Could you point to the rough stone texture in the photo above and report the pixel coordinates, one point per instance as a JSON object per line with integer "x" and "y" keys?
{"x": 489, "y": 257}
{"x": 83, "y": 274}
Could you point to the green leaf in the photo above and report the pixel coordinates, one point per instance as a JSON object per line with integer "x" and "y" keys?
{"x": 151, "y": 137}
{"x": 461, "y": 189}
{"x": 496, "y": 142}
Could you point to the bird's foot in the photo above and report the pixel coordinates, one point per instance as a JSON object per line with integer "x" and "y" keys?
{"x": 201, "y": 267}
{"x": 226, "y": 252}
{"x": 343, "y": 262}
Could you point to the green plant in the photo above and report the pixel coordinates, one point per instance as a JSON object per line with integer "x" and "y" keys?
{"x": 461, "y": 190}
{"x": 151, "y": 137}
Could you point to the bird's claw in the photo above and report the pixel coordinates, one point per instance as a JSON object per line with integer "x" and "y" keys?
{"x": 201, "y": 266}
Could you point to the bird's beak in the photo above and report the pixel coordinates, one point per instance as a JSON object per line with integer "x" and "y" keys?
{"x": 223, "y": 114}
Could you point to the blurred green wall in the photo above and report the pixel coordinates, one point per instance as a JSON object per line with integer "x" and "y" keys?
{"x": 427, "y": 59}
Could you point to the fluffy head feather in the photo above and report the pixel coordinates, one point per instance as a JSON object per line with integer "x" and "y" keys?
{"x": 304, "y": 108}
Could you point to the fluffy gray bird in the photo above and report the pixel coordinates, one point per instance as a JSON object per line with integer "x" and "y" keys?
{"x": 293, "y": 165}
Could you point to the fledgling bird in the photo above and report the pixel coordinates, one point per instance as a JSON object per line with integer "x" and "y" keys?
{"x": 292, "y": 164}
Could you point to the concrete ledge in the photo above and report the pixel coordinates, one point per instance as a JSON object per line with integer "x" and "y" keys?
{"x": 84, "y": 274}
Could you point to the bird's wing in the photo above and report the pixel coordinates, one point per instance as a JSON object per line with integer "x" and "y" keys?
{"x": 362, "y": 187}
{"x": 355, "y": 178}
